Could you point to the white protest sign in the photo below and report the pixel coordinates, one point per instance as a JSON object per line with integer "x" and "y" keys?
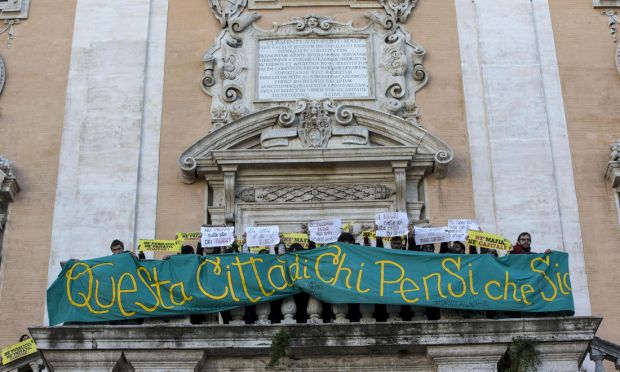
{"x": 262, "y": 235}
{"x": 430, "y": 235}
{"x": 325, "y": 231}
{"x": 217, "y": 236}
{"x": 458, "y": 229}
{"x": 391, "y": 224}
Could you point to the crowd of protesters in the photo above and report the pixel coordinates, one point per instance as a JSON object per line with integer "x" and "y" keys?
{"x": 523, "y": 246}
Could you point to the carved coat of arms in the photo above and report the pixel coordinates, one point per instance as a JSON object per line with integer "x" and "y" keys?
{"x": 314, "y": 128}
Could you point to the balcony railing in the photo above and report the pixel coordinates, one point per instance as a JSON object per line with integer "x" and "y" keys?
{"x": 303, "y": 308}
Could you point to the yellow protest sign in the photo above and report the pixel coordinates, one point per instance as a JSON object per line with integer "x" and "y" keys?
{"x": 188, "y": 236}
{"x": 487, "y": 240}
{"x": 292, "y": 238}
{"x": 18, "y": 350}
{"x": 159, "y": 246}
{"x": 372, "y": 234}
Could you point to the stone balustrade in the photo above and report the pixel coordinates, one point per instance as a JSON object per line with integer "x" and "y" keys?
{"x": 303, "y": 308}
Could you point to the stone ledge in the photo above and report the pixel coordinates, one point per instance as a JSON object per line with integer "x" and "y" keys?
{"x": 474, "y": 331}
{"x": 429, "y": 343}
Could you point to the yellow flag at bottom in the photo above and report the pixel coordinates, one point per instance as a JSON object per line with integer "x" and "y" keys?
{"x": 18, "y": 350}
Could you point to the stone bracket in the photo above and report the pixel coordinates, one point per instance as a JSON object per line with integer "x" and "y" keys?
{"x": 230, "y": 171}
{"x": 400, "y": 180}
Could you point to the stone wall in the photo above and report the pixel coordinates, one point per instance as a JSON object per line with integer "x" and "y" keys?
{"x": 591, "y": 92}
{"x": 32, "y": 108}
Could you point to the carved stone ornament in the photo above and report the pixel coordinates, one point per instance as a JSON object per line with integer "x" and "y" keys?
{"x": 613, "y": 166}
{"x": 8, "y": 188}
{"x": 224, "y": 10}
{"x": 314, "y": 123}
{"x": 314, "y": 193}
{"x": 11, "y": 12}
{"x": 2, "y": 74}
{"x": 612, "y": 17}
{"x": 314, "y": 127}
{"x": 399, "y": 9}
{"x": 618, "y": 58}
{"x": 314, "y": 58}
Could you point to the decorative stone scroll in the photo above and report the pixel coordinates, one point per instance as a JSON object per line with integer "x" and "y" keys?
{"x": 314, "y": 57}
{"x": 314, "y": 193}
{"x": 314, "y": 123}
{"x": 8, "y": 188}
{"x": 613, "y": 166}
{"x": 12, "y": 11}
{"x": 612, "y": 17}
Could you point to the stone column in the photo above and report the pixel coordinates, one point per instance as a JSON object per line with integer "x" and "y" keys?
{"x": 466, "y": 358}
{"x": 560, "y": 356}
{"x": 110, "y": 136}
{"x": 598, "y": 358}
{"x": 508, "y": 64}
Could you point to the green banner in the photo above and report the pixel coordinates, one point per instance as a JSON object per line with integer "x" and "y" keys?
{"x": 122, "y": 287}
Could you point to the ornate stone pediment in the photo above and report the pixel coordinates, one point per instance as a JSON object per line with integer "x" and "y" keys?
{"x": 280, "y": 134}
{"x": 313, "y": 118}
{"x": 313, "y": 57}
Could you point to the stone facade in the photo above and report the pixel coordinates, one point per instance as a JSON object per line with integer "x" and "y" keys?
{"x": 105, "y": 138}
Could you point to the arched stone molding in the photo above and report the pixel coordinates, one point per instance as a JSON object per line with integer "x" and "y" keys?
{"x": 252, "y": 181}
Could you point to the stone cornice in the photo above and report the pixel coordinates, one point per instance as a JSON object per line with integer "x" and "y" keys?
{"x": 306, "y": 337}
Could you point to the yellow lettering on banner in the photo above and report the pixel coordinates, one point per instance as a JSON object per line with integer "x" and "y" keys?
{"x": 560, "y": 285}
{"x": 231, "y": 286}
{"x": 358, "y": 287}
{"x": 88, "y": 296}
{"x": 184, "y": 297}
{"x": 402, "y": 290}
{"x": 565, "y": 281}
{"x": 317, "y": 265}
{"x": 508, "y": 283}
{"x": 524, "y": 292}
{"x": 157, "y": 285}
{"x": 346, "y": 269}
{"x": 488, "y": 293}
{"x": 425, "y": 281}
{"x": 141, "y": 270}
{"x": 18, "y": 350}
{"x": 239, "y": 266}
{"x": 457, "y": 264}
{"x": 383, "y": 282}
{"x": 217, "y": 270}
{"x": 257, "y": 275}
{"x": 293, "y": 269}
{"x": 282, "y": 273}
{"x": 542, "y": 272}
{"x": 97, "y": 294}
{"x": 121, "y": 291}
{"x": 471, "y": 282}
{"x": 306, "y": 275}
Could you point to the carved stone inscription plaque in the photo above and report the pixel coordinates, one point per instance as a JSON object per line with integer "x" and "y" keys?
{"x": 289, "y": 69}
